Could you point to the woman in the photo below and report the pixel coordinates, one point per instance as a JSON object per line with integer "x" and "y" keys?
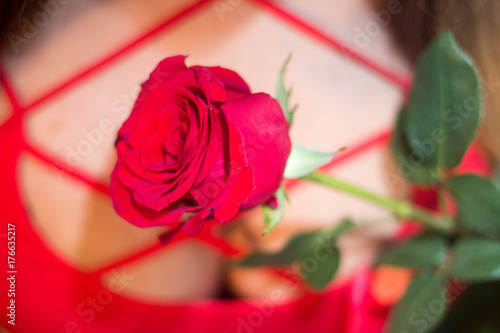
{"x": 78, "y": 126}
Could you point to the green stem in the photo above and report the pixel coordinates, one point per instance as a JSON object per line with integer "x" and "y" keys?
{"x": 402, "y": 209}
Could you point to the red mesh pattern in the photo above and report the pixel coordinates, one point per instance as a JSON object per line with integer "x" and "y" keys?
{"x": 207, "y": 236}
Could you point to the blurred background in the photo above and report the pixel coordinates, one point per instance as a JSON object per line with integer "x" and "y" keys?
{"x": 75, "y": 68}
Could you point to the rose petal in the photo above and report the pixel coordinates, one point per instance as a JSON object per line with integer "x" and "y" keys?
{"x": 140, "y": 216}
{"x": 167, "y": 69}
{"x": 260, "y": 120}
{"x": 214, "y": 145}
{"x": 237, "y": 190}
{"x": 194, "y": 225}
{"x": 231, "y": 80}
{"x": 212, "y": 88}
{"x": 240, "y": 183}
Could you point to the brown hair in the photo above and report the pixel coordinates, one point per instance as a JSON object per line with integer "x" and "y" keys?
{"x": 11, "y": 14}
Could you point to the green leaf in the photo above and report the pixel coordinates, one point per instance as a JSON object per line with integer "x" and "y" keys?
{"x": 478, "y": 201}
{"x": 408, "y": 161}
{"x": 344, "y": 226}
{"x": 304, "y": 160}
{"x": 273, "y": 216}
{"x": 283, "y": 95}
{"x": 318, "y": 273}
{"x": 422, "y": 250}
{"x": 315, "y": 252}
{"x": 445, "y": 104}
{"x": 317, "y": 268}
{"x": 298, "y": 247}
{"x": 422, "y": 307}
{"x": 496, "y": 174}
{"x": 476, "y": 259}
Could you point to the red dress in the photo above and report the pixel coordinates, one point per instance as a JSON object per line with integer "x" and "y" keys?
{"x": 51, "y": 296}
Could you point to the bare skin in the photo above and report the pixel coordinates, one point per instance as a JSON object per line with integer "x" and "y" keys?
{"x": 341, "y": 103}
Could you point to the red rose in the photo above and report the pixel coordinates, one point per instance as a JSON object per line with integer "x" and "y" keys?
{"x": 197, "y": 142}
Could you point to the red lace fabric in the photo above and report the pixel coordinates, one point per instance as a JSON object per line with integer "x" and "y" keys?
{"x": 49, "y": 292}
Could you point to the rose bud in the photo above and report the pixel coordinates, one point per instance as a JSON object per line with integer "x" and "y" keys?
{"x": 198, "y": 143}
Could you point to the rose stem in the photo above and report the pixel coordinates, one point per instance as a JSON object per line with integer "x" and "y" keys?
{"x": 402, "y": 209}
